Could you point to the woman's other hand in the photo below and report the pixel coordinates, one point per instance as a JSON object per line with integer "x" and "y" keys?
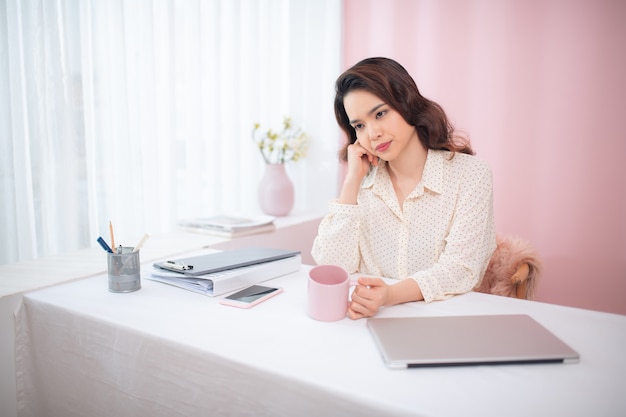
{"x": 368, "y": 296}
{"x": 372, "y": 293}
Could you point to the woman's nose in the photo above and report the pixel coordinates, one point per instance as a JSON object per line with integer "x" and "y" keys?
{"x": 374, "y": 131}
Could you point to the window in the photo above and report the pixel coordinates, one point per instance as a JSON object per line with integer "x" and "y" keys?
{"x": 141, "y": 112}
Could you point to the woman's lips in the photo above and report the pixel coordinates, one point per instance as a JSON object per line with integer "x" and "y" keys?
{"x": 383, "y": 147}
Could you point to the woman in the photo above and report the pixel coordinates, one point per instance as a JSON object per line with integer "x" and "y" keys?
{"x": 415, "y": 205}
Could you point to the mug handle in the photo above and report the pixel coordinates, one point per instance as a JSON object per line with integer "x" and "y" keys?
{"x": 352, "y": 282}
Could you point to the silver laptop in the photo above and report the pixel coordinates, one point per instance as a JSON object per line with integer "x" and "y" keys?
{"x": 466, "y": 340}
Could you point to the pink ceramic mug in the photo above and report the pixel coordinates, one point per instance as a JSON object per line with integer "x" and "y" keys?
{"x": 328, "y": 290}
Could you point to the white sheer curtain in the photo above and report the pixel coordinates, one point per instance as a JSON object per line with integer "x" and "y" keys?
{"x": 140, "y": 112}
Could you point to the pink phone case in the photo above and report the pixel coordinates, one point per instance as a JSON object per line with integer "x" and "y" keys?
{"x": 240, "y": 304}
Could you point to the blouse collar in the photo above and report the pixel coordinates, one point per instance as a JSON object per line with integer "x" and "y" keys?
{"x": 432, "y": 176}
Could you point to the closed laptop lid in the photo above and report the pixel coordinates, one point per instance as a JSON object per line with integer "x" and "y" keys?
{"x": 466, "y": 340}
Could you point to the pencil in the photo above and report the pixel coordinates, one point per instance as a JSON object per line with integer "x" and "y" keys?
{"x": 111, "y": 232}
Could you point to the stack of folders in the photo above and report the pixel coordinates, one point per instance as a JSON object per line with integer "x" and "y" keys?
{"x": 230, "y": 226}
{"x": 222, "y": 272}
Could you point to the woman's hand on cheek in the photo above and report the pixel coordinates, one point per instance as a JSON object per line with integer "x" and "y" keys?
{"x": 360, "y": 160}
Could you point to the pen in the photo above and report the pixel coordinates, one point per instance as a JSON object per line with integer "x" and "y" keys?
{"x": 177, "y": 266}
{"x": 141, "y": 242}
{"x": 104, "y": 245}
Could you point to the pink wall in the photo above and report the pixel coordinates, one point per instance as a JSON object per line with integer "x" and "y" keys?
{"x": 540, "y": 88}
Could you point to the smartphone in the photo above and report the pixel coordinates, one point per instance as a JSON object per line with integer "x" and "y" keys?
{"x": 251, "y": 296}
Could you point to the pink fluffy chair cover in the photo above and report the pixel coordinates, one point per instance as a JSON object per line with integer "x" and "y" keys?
{"x": 510, "y": 254}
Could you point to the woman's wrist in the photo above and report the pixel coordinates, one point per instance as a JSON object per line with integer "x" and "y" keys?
{"x": 404, "y": 291}
{"x": 349, "y": 191}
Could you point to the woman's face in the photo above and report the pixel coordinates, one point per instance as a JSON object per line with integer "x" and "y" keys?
{"x": 380, "y": 129}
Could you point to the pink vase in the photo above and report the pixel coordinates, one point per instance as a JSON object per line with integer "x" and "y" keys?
{"x": 276, "y": 193}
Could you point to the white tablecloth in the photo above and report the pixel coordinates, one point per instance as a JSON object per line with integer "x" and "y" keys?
{"x": 164, "y": 351}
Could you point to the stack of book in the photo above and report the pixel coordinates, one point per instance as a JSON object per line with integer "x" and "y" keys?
{"x": 222, "y": 272}
{"x": 230, "y": 226}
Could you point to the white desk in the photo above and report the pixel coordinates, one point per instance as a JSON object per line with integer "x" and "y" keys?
{"x": 295, "y": 231}
{"x": 163, "y": 351}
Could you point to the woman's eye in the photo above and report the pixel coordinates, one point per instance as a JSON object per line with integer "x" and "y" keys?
{"x": 357, "y": 126}
{"x": 380, "y": 114}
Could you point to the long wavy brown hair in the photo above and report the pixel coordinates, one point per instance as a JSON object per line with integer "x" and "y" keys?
{"x": 389, "y": 81}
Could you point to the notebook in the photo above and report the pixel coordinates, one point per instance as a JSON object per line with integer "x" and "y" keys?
{"x": 224, "y": 261}
{"x": 466, "y": 340}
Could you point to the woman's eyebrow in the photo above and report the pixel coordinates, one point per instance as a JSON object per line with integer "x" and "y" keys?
{"x": 376, "y": 107}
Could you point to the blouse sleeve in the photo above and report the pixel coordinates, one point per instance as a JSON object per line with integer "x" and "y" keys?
{"x": 337, "y": 241}
{"x": 468, "y": 246}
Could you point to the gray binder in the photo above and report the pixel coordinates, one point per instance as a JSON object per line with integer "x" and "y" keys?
{"x": 223, "y": 261}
